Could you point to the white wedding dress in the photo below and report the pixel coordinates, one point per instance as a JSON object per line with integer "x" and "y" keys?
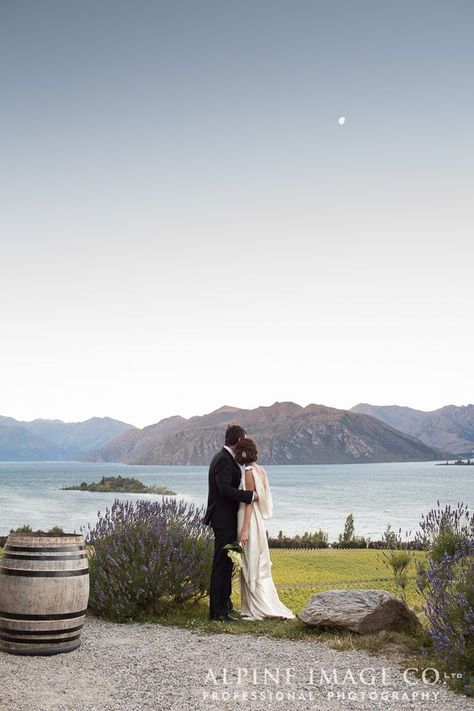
{"x": 259, "y": 597}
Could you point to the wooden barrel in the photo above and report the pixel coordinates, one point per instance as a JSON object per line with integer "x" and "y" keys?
{"x": 44, "y": 591}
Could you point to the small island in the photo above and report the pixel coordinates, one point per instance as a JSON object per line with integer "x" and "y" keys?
{"x": 120, "y": 485}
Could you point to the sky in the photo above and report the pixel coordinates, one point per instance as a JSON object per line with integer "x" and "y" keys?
{"x": 185, "y": 224}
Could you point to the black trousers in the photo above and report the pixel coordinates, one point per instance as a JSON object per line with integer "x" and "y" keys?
{"x": 221, "y": 575}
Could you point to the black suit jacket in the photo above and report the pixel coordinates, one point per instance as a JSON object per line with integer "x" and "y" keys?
{"x": 224, "y": 494}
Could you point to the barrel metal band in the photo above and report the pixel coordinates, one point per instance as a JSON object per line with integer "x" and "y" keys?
{"x": 44, "y": 573}
{"x": 42, "y": 616}
{"x": 19, "y": 556}
{"x": 45, "y": 549}
{"x": 38, "y": 641}
{"x": 65, "y": 630}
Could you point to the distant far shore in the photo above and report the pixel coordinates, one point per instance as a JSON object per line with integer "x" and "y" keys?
{"x": 457, "y": 463}
{"x": 93, "y": 463}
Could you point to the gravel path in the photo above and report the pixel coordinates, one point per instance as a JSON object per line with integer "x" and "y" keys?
{"x": 147, "y": 667}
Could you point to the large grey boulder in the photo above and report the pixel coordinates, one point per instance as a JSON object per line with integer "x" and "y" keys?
{"x": 363, "y": 611}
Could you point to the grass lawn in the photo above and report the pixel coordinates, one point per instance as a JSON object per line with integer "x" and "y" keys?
{"x": 301, "y": 573}
{"x": 298, "y": 574}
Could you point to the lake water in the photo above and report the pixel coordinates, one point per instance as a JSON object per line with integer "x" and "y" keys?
{"x": 305, "y": 498}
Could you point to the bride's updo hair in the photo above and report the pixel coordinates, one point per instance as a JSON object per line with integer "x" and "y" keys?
{"x": 246, "y": 451}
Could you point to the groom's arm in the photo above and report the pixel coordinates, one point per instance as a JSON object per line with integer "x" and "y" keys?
{"x": 223, "y": 473}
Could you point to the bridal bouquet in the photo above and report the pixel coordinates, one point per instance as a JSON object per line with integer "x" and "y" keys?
{"x": 234, "y": 551}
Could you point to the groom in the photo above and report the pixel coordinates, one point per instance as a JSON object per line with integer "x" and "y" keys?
{"x": 222, "y": 505}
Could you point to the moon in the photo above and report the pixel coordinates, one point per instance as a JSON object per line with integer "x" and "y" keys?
{"x": 341, "y": 120}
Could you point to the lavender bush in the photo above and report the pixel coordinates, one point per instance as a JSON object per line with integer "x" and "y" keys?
{"x": 146, "y": 556}
{"x": 446, "y": 582}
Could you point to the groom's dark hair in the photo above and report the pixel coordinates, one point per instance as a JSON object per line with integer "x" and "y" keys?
{"x": 233, "y": 434}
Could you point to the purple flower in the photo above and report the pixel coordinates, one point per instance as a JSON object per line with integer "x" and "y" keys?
{"x": 160, "y": 547}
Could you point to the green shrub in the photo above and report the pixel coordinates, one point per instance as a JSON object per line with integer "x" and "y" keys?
{"x": 318, "y": 539}
{"x": 26, "y": 528}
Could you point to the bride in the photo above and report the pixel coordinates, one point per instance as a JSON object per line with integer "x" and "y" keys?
{"x": 259, "y": 597}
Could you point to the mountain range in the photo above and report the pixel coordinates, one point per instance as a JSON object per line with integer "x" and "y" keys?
{"x": 286, "y": 434}
{"x": 450, "y": 427}
{"x": 43, "y": 440}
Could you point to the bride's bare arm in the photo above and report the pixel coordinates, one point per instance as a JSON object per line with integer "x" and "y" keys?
{"x": 250, "y": 486}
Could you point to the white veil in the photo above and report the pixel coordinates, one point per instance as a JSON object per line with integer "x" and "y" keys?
{"x": 265, "y": 502}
